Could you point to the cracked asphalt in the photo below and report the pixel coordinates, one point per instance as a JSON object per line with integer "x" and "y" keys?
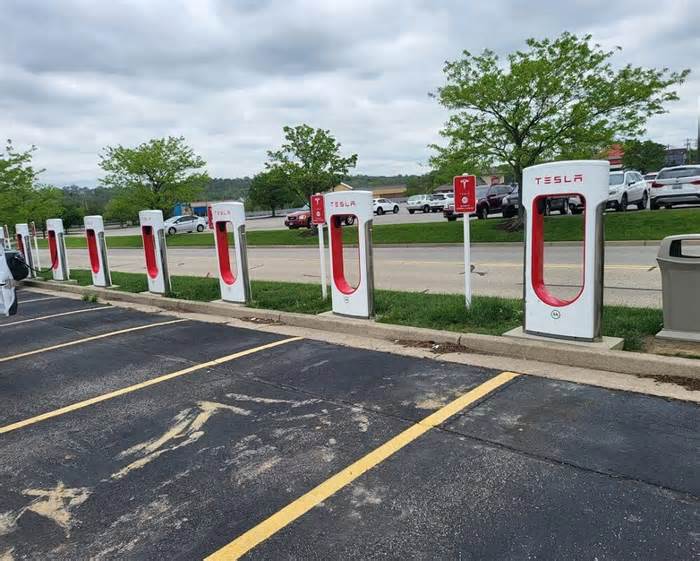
{"x": 132, "y": 435}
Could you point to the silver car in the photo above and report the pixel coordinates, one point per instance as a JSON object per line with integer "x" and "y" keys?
{"x": 177, "y": 224}
{"x": 678, "y": 185}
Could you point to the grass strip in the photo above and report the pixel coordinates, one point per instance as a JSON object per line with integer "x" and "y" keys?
{"x": 619, "y": 226}
{"x": 488, "y": 314}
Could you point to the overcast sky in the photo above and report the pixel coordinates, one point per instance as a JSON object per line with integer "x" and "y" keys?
{"x": 76, "y": 76}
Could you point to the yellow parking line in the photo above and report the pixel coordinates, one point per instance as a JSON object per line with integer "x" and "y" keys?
{"x": 87, "y": 339}
{"x": 56, "y": 315}
{"x": 136, "y": 387}
{"x": 244, "y": 543}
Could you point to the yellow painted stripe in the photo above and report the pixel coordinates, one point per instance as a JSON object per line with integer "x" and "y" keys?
{"x": 88, "y": 339}
{"x": 56, "y": 315}
{"x": 140, "y": 386}
{"x": 244, "y": 543}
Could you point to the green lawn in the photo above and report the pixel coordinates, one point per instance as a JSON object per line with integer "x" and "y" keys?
{"x": 488, "y": 315}
{"x": 618, "y": 226}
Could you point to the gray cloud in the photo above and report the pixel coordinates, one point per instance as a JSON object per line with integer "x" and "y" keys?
{"x": 78, "y": 75}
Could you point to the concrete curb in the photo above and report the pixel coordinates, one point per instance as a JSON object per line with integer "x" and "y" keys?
{"x": 556, "y": 353}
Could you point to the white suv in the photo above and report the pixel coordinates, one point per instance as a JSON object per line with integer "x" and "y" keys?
{"x": 678, "y": 185}
{"x": 418, "y": 202}
{"x": 626, "y": 188}
{"x": 382, "y": 206}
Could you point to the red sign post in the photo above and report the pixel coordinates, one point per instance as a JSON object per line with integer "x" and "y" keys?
{"x": 318, "y": 213}
{"x": 465, "y": 203}
{"x": 318, "y": 217}
{"x": 465, "y": 193}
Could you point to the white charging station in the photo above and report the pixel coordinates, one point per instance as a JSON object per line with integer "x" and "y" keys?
{"x": 57, "y": 249}
{"x": 4, "y": 238}
{"x": 8, "y": 294}
{"x": 348, "y": 300}
{"x": 24, "y": 246}
{"x": 234, "y": 281}
{"x": 97, "y": 251}
{"x": 577, "y": 318}
{"x": 155, "y": 251}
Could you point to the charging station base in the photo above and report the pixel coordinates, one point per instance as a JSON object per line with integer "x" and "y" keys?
{"x": 605, "y": 344}
{"x": 672, "y": 335}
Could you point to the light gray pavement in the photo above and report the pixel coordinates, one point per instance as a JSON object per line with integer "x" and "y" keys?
{"x": 631, "y": 274}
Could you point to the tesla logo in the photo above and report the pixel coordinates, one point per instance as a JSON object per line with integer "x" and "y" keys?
{"x": 549, "y": 179}
{"x": 343, "y": 204}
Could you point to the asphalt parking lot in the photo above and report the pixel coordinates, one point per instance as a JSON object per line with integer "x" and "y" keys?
{"x": 132, "y": 435}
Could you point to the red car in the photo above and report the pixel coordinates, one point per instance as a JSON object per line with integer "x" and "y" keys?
{"x": 302, "y": 219}
{"x": 299, "y": 219}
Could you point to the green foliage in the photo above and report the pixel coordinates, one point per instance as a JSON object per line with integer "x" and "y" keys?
{"x": 270, "y": 190}
{"x": 22, "y": 199}
{"x": 558, "y": 99}
{"x": 311, "y": 161}
{"x": 643, "y": 156}
{"x": 155, "y": 175}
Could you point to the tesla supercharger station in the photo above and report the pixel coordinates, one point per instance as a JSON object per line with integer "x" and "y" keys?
{"x": 97, "y": 251}
{"x": 24, "y": 246}
{"x": 347, "y": 300}
{"x": 155, "y": 251}
{"x": 235, "y": 284}
{"x": 57, "y": 249}
{"x": 577, "y": 318}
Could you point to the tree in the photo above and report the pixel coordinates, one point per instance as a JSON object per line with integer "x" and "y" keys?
{"x": 155, "y": 175}
{"x": 270, "y": 189}
{"x": 558, "y": 99}
{"x": 17, "y": 183}
{"x": 643, "y": 156}
{"x": 310, "y": 159}
{"x": 45, "y": 202}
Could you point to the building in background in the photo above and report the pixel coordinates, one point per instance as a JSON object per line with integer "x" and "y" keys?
{"x": 614, "y": 156}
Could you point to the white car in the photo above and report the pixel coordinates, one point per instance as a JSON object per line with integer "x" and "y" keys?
{"x": 382, "y": 206}
{"x": 678, "y": 185}
{"x": 418, "y": 202}
{"x": 178, "y": 224}
{"x": 626, "y": 188}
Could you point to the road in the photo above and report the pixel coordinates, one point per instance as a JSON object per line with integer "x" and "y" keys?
{"x": 631, "y": 275}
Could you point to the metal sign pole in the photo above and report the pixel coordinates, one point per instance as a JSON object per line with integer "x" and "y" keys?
{"x": 322, "y": 252}
{"x": 467, "y": 262}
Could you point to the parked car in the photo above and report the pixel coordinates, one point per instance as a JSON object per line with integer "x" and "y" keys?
{"x": 382, "y": 206}
{"x": 563, "y": 205}
{"x": 418, "y": 202}
{"x": 189, "y": 223}
{"x": 489, "y": 201}
{"x": 675, "y": 186}
{"x": 649, "y": 177}
{"x": 626, "y": 188}
{"x": 438, "y": 201}
{"x": 299, "y": 219}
